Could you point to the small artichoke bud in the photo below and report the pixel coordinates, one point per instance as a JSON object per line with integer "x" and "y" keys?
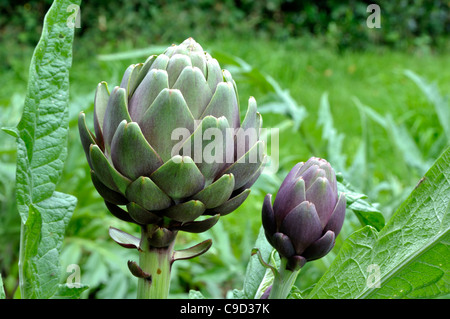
{"x": 307, "y": 214}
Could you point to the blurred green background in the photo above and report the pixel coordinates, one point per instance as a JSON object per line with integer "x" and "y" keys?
{"x": 374, "y": 102}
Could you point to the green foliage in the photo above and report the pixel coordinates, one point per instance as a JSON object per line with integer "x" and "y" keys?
{"x": 342, "y": 25}
{"x": 2, "y": 290}
{"x": 41, "y": 152}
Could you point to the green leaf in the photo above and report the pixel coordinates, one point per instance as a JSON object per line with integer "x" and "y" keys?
{"x": 440, "y": 102}
{"x": 42, "y": 237}
{"x": 334, "y": 139}
{"x": 2, "y": 290}
{"x": 415, "y": 241}
{"x": 367, "y": 214}
{"x": 194, "y": 294}
{"x": 255, "y": 270}
{"x": 124, "y": 239}
{"x": 41, "y": 151}
{"x": 68, "y": 292}
{"x": 238, "y": 294}
{"x": 43, "y": 128}
{"x": 193, "y": 251}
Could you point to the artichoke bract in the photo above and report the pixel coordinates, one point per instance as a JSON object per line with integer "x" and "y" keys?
{"x": 307, "y": 214}
{"x": 167, "y": 143}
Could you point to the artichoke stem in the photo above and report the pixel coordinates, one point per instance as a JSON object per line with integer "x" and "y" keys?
{"x": 283, "y": 281}
{"x": 155, "y": 261}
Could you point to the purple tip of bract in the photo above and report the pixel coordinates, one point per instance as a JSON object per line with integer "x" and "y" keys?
{"x": 302, "y": 226}
{"x": 320, "y": 247}
{"x": 292, "y": 175}
{"x": 311, "y": 162}
{"x": 266, "y": 293}
{"x": 283, "y": 245}
{"x": 268, "y": 218}
{"x": 337, "y": 217}
{"x": 321, "y": 194}
{"x": 289, "y": 197}
{"x": 295, "y": 263}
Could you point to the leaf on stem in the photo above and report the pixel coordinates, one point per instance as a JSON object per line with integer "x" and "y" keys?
{"x": 193, "y": 251}
{"x": 124, "y": 239}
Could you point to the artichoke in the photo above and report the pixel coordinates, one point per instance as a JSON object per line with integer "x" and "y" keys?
{"x": 307, "y": 214}
{"x": 146, "y": 129}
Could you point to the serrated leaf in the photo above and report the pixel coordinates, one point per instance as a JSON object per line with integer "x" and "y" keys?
{"x": 41, "y": 151}
{"x": 408, "y": 258}
{"x": 43, "y": 234}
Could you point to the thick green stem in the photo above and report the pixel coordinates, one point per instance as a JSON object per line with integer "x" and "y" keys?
{"x": 157, "y": 263}
{"x": 283, "y": 281}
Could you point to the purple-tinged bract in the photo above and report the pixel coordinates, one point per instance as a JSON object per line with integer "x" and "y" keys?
{"x": 307, "y": 214}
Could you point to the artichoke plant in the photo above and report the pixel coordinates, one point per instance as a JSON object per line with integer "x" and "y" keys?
{"x": 305, "y": 218}
{"x": 169, "y": 146}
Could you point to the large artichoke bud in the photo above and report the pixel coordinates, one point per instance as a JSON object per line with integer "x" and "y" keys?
{"x": 151, "y": 136}
{"x": 307, "y": 214}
